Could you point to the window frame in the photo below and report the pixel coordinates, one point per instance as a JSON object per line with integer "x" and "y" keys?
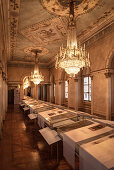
{"x": 88, "y": 87}
{"x": 66, "y": 92}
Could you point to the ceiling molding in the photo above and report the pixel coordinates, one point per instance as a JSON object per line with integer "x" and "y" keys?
{"x": 106, "y": 20}
{"x": 26, "y": 64}
{"x": 14, "y": 8}
{"x": 99, "y": 34}
{"x": 14, "y": 83}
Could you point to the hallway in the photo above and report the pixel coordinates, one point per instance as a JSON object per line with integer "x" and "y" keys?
{"x": 23, "y": 148}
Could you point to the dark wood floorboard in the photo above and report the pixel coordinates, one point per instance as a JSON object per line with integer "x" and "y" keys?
{"x": 23, "y": 148}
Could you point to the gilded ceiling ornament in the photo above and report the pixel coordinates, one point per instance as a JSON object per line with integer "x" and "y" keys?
{"x": 29, "y": 49}
{"x": 46, "y": 32}
{"x": 60, "y": 7}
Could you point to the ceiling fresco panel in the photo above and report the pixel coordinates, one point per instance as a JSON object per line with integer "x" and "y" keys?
{"x": 46, "y": 32}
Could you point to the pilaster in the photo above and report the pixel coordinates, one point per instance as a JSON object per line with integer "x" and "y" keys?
{"x": 92, "y": 94}
{"x": 76, "y": 93}
{"x": 1, "y": 100}
{"x": 108, "y": 77}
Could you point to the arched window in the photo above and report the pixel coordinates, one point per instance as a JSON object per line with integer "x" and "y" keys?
{"x": 66, "y": 89}
{"x": 87, "y": 88}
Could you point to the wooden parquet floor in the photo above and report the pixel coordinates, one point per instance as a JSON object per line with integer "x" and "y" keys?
{"x": 23, "y": 148}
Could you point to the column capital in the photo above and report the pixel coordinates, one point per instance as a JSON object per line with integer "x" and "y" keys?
{"x": 61, "y": 81}
{"x": 108, "y": 74}
{"x": 4, "y": 76}
{"x": 1, "y": 68}
{"x": 49, "y": 84}
{"x": 91, "y": 76}
{"x": 76, "y": 80}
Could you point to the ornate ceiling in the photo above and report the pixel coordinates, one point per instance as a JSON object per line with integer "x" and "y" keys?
{"x": 42, "y": 24}
{"x": 60, "y": 7}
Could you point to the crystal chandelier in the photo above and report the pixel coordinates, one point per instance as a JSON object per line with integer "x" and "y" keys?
{"x": 36, "y": 76}
{"x": 73, "y": 57}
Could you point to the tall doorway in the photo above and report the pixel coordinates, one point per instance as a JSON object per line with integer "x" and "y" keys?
{"x": 11, "y": 96}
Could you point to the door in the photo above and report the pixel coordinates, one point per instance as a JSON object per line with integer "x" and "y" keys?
{"x": 11, "y": 96}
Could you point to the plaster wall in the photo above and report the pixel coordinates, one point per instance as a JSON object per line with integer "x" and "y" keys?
{"x": 100, "y": 92}
{"x": 99, "y": 52}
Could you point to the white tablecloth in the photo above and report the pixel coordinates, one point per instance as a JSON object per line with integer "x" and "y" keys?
{"x": 97, "y": 155}
{"x": 44, "y": 116}
{"x": 72, "y": 139}
{"x": 63, "y": 123}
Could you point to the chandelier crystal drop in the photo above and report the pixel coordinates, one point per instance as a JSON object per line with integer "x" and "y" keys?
{"x": 36, "y": 76}
{"x": 73, "y": 57}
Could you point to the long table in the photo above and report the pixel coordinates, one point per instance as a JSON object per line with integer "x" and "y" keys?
{"x": 78, "y": 130}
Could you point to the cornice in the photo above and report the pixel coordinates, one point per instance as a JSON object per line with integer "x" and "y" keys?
{"x": 98, "y": 31}
{"x": 12, "y": 83}
{"x": 26, "y": 64}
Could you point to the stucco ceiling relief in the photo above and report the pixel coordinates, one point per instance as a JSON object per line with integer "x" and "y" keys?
{"x": 46, "y": 32}
{"x": 99, "y": 23}
{"x": 29, "y": 50}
